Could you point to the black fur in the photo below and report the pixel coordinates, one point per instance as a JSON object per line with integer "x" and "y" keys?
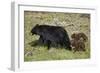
{"x": 52, "y": 35}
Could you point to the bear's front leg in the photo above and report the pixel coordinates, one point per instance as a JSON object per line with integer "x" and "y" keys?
{"x": 48, "y": 44}
{"x": 41, "y": 40}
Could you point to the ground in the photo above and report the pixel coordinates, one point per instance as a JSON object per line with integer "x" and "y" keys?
{"x": 72, "y": 22}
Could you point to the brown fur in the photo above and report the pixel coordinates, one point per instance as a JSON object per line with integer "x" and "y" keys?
{"x": 78, "y": 41}
{"x": 78, "y": 36}
{"x": 78, "y": 45}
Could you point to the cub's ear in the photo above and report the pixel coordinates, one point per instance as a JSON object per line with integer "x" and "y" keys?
{"x": 73, "y": 35}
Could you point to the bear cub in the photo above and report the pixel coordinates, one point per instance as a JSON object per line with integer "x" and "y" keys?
{"x": 78, "y": 41}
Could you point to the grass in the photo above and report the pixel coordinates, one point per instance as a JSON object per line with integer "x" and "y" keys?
{"x": 55, "y": 54}
{"x": 81, "y": 23}
{"x": 42, "y": 53}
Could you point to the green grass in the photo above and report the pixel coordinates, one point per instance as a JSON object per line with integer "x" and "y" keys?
{"x": 81, "y": 23}
{"x": 41, "y": 53}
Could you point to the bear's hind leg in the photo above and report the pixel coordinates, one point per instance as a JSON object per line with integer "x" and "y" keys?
{"x": 67, "y": 46}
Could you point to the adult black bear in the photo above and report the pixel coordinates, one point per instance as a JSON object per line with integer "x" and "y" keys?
{"x": 52, "y": 35}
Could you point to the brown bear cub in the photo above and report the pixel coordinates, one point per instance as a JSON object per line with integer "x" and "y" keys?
{"x": 78, "y": 41}
{"x": 78, "y": 36}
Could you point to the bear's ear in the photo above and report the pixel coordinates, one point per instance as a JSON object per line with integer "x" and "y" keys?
{"x": 37, "y": 24}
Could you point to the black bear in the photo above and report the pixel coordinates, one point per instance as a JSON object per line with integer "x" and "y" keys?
{"x": 52, "y": 35}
